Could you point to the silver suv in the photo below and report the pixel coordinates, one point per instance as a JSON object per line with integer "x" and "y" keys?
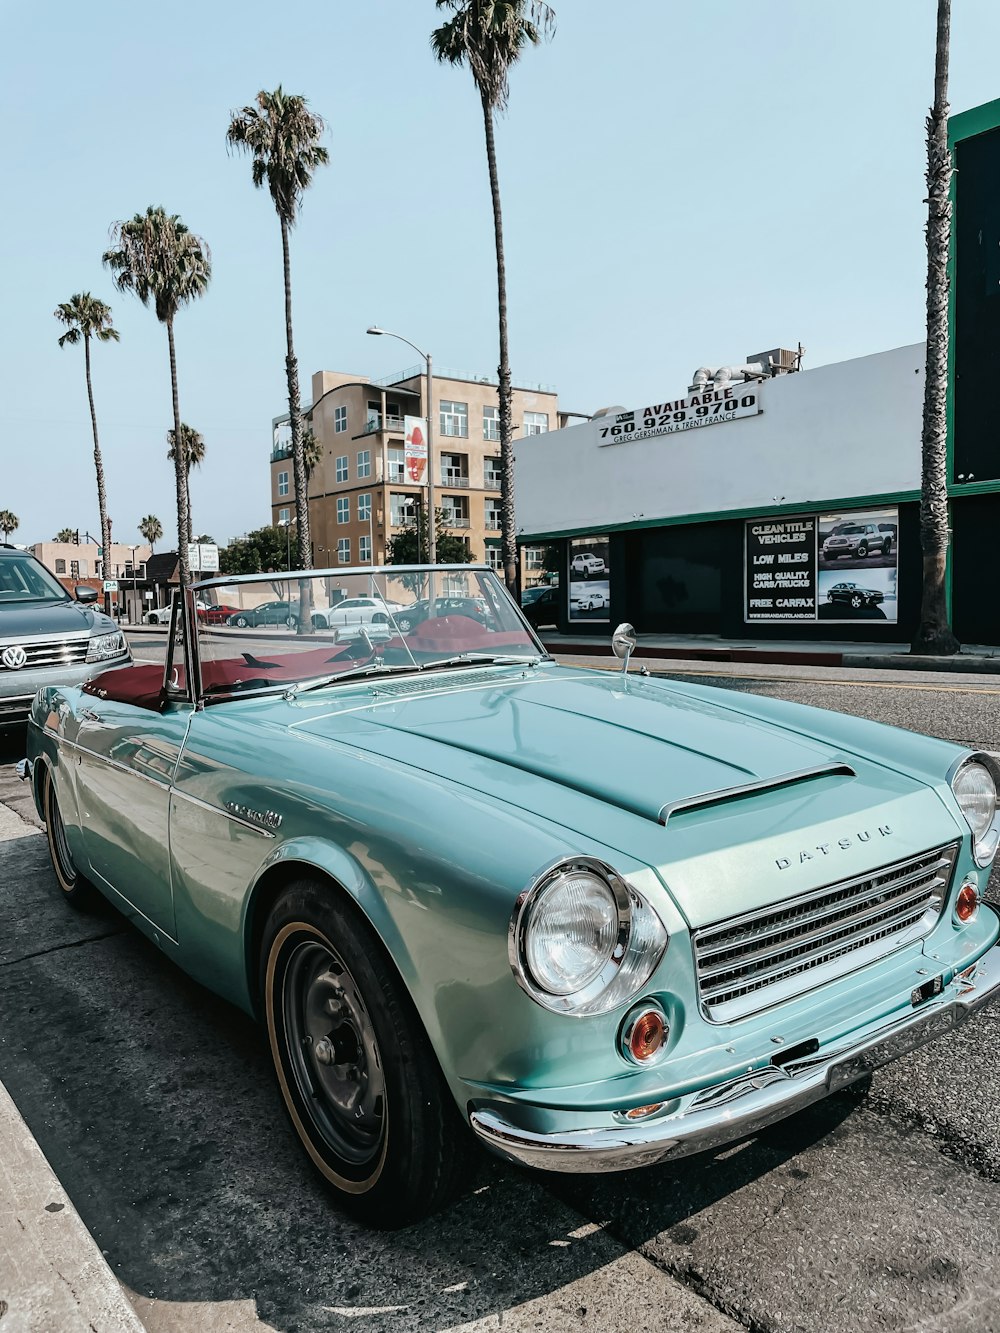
{"x": 857, "y": 539}
{"x": 47, "y": 637}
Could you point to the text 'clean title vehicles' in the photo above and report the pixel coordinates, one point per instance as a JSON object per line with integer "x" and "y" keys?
{"x": 599, "y": 920}
{"x": 48, "y": 637}
{"x": 858, "y": 539}
{"x": 853, "y": 595}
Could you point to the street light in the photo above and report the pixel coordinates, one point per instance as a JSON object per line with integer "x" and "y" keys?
{"x": 286, "y": 523}
{"x": 376, "y": 332}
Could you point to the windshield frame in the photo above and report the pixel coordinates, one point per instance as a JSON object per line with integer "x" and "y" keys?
{"x": 286, "y": 688}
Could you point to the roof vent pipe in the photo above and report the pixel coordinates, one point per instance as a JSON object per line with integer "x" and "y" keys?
{"x": 723, "y": 375}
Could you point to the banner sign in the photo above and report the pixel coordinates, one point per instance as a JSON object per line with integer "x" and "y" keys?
{"x": 834, "y": 567}
{"x": 709, "y": 408}
{"x": 589, "y": 579}
{"x": 415, "y": 448}
{"x": 204, "y": 558}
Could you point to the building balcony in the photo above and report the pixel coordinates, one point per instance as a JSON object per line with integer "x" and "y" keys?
{"x": 456, "y": 521}
{"x": 280, "y": 452}
{"x": 491, "y": 481}
{"x": 449, "y": 477}
{"x": 492, "y": 523}
{"x": 376, "y": 422}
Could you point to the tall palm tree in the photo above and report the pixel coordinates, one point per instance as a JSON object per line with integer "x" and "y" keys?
{"x": 87, "y": 317}
{"x": 489, "y": 36}
{"x": 155, "y": 256}
{"x": 151, "y": 528}
{"x": 312, "y": 452}
{"x": 9, "y": 522}
{"x": 193, "y": 447}
{"x": 65, "y": 535}
{"x": 283, "y": 138}
{"x": 934, "y": 633}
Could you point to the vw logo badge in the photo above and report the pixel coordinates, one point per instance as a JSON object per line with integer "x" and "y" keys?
{"x": 14, "y": 657}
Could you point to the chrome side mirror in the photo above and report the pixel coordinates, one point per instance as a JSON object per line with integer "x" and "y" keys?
{"x": 623, "y": 643}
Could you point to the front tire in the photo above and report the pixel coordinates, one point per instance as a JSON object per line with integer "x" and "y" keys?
{"x": 76, "y": 890}
{"x": 359, "y": 1079}
{"x": 856, "y": 602}
{"x": 318, "y": 622}
{"x": 240, "y": 622}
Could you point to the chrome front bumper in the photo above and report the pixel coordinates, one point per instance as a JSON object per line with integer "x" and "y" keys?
{"x": 740, "y": 1108}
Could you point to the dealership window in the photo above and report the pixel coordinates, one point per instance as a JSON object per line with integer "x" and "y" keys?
{"x": 397, "y": 463}
{"x": 454, "y": 418}
{"x": 491, "y": 423}
{"x": 364, "y": 463}
{"x": 365, "y": 550}
{"x": 536, "y": 423}
{"x": 344, "y": 550}
{"x": 364, "y": 508}
{"x": 60, "y": 566}
{"x": 339, "y": 419}
{"x": 342, "y": 467}
{"x": 282, "y": 483}
{"x": 343, "y": 509}
{"x": 492, "y": 511}
{"x": 282, "y": 515}
{"x": 402, "y": 509}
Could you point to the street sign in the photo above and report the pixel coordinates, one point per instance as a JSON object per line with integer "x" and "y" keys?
{"x": 147, "y": 596}
{"x": 110, "y": 585}
{"x": 204, "y": 558}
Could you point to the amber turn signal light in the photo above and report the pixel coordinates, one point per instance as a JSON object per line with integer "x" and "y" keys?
{"x": 647, "y": 1035}
{"x": 967, "y": 902}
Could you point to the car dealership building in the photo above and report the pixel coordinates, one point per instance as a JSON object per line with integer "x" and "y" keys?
{"x": 765, "y": 501}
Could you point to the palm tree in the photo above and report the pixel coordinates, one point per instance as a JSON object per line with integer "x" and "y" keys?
{"x": 8, "y": 522}
{"x": 312, "y": 452}
{"x": 151, "y": 528}
{"x": 193, "y": 446}
{"x": 65, "y": 535}
{"x": 155, "y": 256}
{"x": 489, "y": 36}
{"x": 87, "y": 317}
{"x": 282, "y": 136}
{"x": 934, "y": 633}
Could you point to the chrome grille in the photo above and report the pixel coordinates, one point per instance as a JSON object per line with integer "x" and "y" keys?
{"x": 750, "y": 962}
{"x": 49, "y": 652}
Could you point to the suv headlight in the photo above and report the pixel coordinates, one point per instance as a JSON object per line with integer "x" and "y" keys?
{"x": 103, "y": 646}
{"x": 975, "y": 790}
{"x": 581, "y": 941}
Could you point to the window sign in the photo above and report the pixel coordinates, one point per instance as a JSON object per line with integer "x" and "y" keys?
{"x": 589, "y": 580}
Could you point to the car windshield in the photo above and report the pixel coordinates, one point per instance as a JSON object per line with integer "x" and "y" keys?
{"x": 846, "y": 529}
{"x": 24, "y": 579}
{"x": 300, "y": 630}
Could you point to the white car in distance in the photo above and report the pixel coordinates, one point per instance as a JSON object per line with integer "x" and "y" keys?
{"x": 354, "y": 612}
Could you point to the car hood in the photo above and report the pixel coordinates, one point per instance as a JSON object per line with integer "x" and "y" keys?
{"x": 585, "y": 750}
{"x": 21, "y": 620}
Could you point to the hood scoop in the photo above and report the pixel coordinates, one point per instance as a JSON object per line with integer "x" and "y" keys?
{"x": 728, "y": 794}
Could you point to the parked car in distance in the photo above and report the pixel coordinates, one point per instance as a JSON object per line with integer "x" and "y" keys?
{"x": 47, "y": 636}
{"x": 216, "y": 613}
{"x": 354, "y": 611}
{"x": 588, "y": 599}
{"x": 158, "y": 615}
{"x": 856, "y": 540}
{"x": 586, "y": 563}
{"x": 268, "y": 613}
{"x": 854, "y": 596}
{"x": 541, "y": 606}
{"x": 409, "y": 617}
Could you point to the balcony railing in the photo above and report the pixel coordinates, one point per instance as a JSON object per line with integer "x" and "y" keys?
{"x": 449, "y": 477}
{"x": 454, "y": 430}
{"x": 452, "y": 520}
{"x": 492, "y": 522}
{"x": 375, "y": 424}
{"x": 491, "y": 481}
{"x": 280, "y": 452}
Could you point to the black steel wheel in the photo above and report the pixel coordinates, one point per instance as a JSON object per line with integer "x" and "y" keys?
{"x": 75, "y": 888}
{"x": 359, "y": 1079}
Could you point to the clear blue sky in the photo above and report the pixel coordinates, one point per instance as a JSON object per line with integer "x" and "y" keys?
{"x": 683, "y": 183}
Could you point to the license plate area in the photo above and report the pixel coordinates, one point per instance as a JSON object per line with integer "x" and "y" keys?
{"x": 927, "y": 991}
{"x": 908, "y": 1039}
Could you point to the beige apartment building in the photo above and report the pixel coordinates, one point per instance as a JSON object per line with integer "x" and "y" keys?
{"x": 83, "y": 560}
{"x": 359, "y": 496}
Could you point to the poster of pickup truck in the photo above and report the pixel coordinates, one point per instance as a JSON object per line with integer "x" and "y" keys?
{"x": 856, "y": 570}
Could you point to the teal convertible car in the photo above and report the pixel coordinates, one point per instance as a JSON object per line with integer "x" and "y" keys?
{"x": 596, "y": 919}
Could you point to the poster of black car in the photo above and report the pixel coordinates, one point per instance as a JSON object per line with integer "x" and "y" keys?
{"x": 870, "y": 595}
{"x": 589, "y": 579}
{"x": 781, "y": 569}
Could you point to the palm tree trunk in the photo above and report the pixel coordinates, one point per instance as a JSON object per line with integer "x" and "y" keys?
{"x": 187, "y": 493}
{"x": 298, "y": 453}
{"x": 179, "y": 471}
{"x": 102, "y": 497}
{"x": 934, "y": 633}
{"x": 507, "y": 529}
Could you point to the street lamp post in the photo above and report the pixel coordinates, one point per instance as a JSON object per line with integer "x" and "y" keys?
{"x": 286, "y": 523}
{"x": 376, "y": 332}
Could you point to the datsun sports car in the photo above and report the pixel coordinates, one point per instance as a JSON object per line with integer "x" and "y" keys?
{"x": 600, "y": 920}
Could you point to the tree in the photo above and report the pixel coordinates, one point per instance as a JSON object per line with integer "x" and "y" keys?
{"x": 312, "y": 452}
{"x": 9, "y": 522}
{"x": 155, "y": 256}
{"x": 934, "y": 633}
{"x": 406, "y": 546}
{"x": 489, "y": 36}
{"x": 282, "y": 136}
{"x": 193, "y": 455}
{"x": 257, "y": 552}
{"x": 65, "y": 535}
{"x": 151, "y": 528}
{"x": 85, "y": 318}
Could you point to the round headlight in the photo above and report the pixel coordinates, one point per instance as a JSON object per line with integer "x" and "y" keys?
{"x": 976, "y": 793}
{"x": 572, "y": 932}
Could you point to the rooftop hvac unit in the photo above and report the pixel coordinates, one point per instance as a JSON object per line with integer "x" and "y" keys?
{"x": 780, "y": 360}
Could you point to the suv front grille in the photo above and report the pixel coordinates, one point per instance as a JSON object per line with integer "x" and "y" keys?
{"x": 49, "y": 652}
{"x": 752, "y": 962}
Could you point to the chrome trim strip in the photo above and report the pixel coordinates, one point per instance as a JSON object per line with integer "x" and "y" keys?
{"x": 219, "y": 810}
{"x": 737, "y": 1108}
{"x": 753, "y": 788}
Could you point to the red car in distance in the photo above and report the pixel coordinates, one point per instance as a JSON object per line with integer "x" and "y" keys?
{"x": 216, "y": 615}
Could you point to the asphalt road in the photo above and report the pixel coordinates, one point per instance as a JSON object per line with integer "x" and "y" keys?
{"x": 155, "y": 1105}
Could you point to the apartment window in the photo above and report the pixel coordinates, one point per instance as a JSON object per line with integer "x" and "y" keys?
{"x": 342, "y": 468}
{"x": 456, "y": 510}
{"x": 534, "y": 558}
{"x": 344, "y": 550}
{"x": 536, "y": 423}
{"x": 282, "y": 483}
{"x": 491, "y": 423}
{"x": 60, "y": 566}
{"x": 74, "y": 569}
{"x": 365, "y": 550}
{"x": 343, "y": 509}
{"x": 402, "y": 509}
{"x": 339, "y": 419}
{"x": 491, "y": 473}
{"x": 454, "y": 418}
{"x": 494, "y": 558}
{"x": 397, "y": 464}
{"x": 364, "y": 463}
{"x": 492, "y": 515}
{"x": 364, "y": 508}
{"x": 282, "y": 515}
{"x": 454, "y": 469}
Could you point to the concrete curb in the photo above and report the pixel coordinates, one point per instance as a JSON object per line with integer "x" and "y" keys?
{"x": 961, "y": 662}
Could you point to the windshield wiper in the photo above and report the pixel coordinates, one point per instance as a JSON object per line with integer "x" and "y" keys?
{"x": 483, "y": 659}
{"x": 383, "y": 668}
{"x": 363, "y": 669}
